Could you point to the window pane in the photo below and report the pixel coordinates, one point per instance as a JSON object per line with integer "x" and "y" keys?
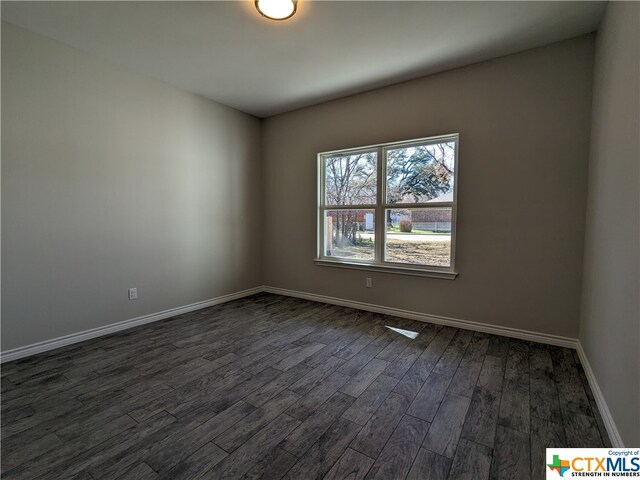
{"x": 350, "y": 179}
{"x": 418, "y": 236}
{"x": 349, "y": 234}
{"x": 420, "y": 174}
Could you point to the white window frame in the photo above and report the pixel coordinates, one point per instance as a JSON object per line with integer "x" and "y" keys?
{"x": 379, "y": 264}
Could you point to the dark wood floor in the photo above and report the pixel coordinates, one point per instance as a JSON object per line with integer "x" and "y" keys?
{"x": 275, "y": 387}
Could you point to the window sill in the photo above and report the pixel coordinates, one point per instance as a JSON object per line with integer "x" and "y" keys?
{"x": 418, "y": 272}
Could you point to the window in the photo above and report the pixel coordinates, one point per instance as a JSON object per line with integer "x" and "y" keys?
{"x": 390, "y": 207}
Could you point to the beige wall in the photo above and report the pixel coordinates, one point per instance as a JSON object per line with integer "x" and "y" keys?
{"x": 111, "y": 180}
{"x": 524, "y": 137}
{"x": 610, "y": 323}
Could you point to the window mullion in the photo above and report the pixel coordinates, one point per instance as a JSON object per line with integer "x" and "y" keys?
{"x": 380, "y": 196}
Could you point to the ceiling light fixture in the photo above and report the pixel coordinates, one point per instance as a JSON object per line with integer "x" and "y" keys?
{"x": 277, "y": 9}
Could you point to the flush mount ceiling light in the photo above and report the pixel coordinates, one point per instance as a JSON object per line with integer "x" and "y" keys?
{"x": 277, "y": 9}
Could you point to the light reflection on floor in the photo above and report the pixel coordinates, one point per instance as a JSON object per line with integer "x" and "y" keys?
{"x": 406, "y": 333}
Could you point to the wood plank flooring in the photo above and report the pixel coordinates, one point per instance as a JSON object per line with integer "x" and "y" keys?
{"x": 275, "y": 387}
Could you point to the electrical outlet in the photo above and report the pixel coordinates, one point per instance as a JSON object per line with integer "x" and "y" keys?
{"x": 133, "y": 293}
{"x": 369, "y": 282}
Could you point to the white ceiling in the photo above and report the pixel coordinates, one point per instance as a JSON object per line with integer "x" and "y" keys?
{"x": 227, "y": 52}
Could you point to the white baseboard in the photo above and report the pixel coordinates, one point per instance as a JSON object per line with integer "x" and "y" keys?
{"x": 52, "y": 344}
{"x": 423, "y": 317}
{"x": 33, "y": 349}
{"x": 607, "y": 418}
{"x": 46, "y": 345}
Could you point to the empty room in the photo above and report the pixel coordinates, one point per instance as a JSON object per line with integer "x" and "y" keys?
{"x": 295, "y": 239}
